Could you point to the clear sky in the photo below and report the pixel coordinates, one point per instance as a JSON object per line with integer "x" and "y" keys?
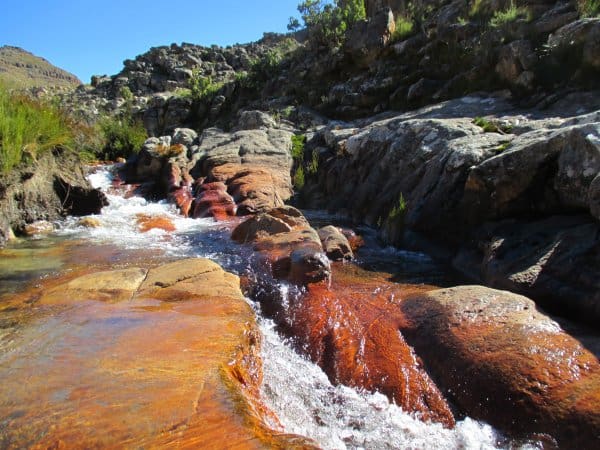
{"x": 94, "y": 37}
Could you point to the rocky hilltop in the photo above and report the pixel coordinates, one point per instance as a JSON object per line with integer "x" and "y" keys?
{"x": 20, "y": 68}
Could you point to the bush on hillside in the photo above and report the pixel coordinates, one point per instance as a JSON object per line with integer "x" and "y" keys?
{"x": 327, "y": 22}
{"x": 122, "y": 137}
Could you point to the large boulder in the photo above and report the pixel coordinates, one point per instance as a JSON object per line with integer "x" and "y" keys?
{"x": 502, "y": 361}
{"x": 350, "y": 329}
{"x": 288, "y": 246}
{"x": 541, "y": 172}
{"x": 254, "y": 188}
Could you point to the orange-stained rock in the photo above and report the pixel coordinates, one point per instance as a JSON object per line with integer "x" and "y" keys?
{"x": 254, "y": 188}
{"x": 287, "y": 245}
{"x": 350, "y": 329}
{"x": 41, "y": 227}
{"x": 142, "y": 373}
{"x": 147, "y": 223}
{"x": 109, "y": 286}
{"x": 89, "y": 222}
{"x": 213, "y": 200}
{"x": 179, "y": 187}
{"x": 502, "y": 361}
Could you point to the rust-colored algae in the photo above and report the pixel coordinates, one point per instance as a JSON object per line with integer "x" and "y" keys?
{"x": 96, "y": 374}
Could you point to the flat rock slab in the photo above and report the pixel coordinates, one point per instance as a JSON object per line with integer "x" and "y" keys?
{"x": 140, "y": 372}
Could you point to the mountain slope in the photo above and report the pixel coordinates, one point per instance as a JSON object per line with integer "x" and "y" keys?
{"x": 23, "y": 69}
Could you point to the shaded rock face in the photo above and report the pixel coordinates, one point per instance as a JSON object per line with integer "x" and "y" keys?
{"x": 493, "y": 353}
{"x": 171, "y": 357}
{"x": 555, "y": 261}
{"x": 51, "y": 188}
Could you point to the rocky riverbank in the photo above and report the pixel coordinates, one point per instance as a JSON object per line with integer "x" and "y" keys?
{"x": 48, "y": 189}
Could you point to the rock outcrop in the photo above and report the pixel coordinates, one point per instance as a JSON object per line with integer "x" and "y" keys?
{"x": 49, "y": 189}
{"x": 512, "y": 193}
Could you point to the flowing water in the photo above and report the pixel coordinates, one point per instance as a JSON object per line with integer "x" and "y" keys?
{"x": 306, "y": 403}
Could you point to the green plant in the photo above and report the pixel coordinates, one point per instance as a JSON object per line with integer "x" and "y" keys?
{"x": 313, "y": 165}
{"x": 123, "y": 136}
{"x": 589, "y": 8}
{"x": 298, "y": 142}
{"x": 503, "y": 146}
{"x": 509, "y": 15}
{"x": 490, "y": 126}
{"x": 327, "y": 22}
{"x": 203, "y": 88}
{"x": 30, "y": 127}
{"x": 298, "y": 179}
{"x": 462, "y": 21}
{"x": 399, "y": 209}
{"x": 404, "y": 28}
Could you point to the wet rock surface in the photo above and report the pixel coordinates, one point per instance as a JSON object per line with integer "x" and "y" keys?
{"x": 171, "y": 358}
{"x": 492, "y": 352}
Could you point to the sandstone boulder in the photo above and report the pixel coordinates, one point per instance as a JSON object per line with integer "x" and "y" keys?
{"x": 212, "y": 200}
{"x": 175, "y": 364}
{"x": 504, "y": 362}
{"x": 287, "y": 245}
{"x": 335, "y": 243}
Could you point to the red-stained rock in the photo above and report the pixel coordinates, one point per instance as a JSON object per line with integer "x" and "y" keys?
{"x": 254, "y": 188}
{"x": 213, "y": 200}
{"x": 502, "y": 361}
{"x": 351, "y": 330}
{"x": 179, "y": 187}
{"x": 335, "y": 244}
{"x": 147, "y": 223}
{"x": 354, "y": 239}
{"x": 288, "y": 246}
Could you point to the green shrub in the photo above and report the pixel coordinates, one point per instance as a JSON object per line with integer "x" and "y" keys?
{"x": 327, "y": 22}
{"x": 203, "y": 88}
{"x": 490, "y": 126}
{"x": 298, "y": 142}
{"x": 589, "y": 8}
{"x": 509, "y": 15}
{"x": 122, "y": 136}
{"x": 30, "y": 127}
{"x": 404, "y": 28}
{"x": 298, "y": 178}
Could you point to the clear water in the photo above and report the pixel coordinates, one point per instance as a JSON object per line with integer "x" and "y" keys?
{"x": 337, "y": 417}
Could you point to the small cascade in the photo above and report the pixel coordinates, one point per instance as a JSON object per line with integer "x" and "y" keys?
{"x": 295, "y": 389}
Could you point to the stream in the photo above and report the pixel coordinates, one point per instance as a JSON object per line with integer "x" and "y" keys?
{"x": 296, "y": 390}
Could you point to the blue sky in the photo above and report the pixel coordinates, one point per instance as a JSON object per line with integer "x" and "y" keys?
{"x": 95, "y": 37}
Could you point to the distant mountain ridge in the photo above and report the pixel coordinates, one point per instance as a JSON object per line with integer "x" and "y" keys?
{"x": 23, "y": 69}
